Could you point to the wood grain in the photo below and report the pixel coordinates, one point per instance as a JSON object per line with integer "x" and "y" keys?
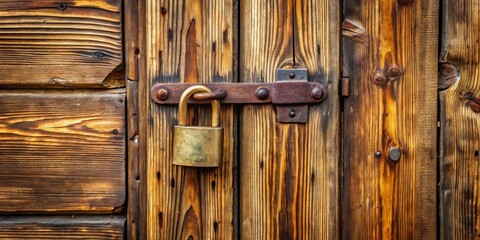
{"x": 460, "y": 122}
{"x": 62, "y": 151}
{"x": 187, "y": 41}
{"x": 62, "y": 227}
{"x": 393, "y": 103}
{"x": 289, "y": 172}
{"x": 71, "y": 43}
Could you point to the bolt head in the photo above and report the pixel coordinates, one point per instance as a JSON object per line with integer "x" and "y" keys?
{"x": 262, "y": 93}
{"x": 393, "y": 73}
{"x": 394, "y": 154}
{"x": 162, "y": 94}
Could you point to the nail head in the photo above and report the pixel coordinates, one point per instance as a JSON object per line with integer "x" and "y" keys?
{"x": 292, "y": 113}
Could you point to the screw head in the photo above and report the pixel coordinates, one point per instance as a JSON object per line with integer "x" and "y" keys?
{"x": 292, "y": 113}
{"x": 292, "y": 75}
{"x": 394, "y": 154}
{"x": 262, "y": 93}
{"x": 162, "y": 94}
{"x": 317, "y": 93}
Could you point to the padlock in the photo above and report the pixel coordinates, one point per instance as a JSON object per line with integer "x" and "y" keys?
{"x": 197, "y": 146}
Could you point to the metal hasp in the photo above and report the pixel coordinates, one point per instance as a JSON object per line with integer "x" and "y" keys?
{"x": 290, "y": 94}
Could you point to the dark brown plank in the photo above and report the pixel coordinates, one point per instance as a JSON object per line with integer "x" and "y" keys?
{"x": 390, "y": 53}
{"x": 134, "y": 175}
{"x": 460, "y": 120}
{"x": 143, "y": 93}
{"x": 72, "y": 43}
{"x": 289, "y": 172}
{"x": 62, "y": 151}
{"x": 132, "y": 54}
{"x": 187, "y": 41}
{"x": 62, "y": 227}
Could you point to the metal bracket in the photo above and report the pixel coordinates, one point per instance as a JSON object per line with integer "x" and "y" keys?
{"x": 291, "y": 94}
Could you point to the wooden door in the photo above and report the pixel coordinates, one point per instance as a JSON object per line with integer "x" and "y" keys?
{"x": 276, "y": 180}
{"x": 327, "y": 179}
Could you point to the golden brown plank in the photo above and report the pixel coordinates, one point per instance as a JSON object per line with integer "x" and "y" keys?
{"x": 62, "y": 151}
{"x": 317, "y": 47}
{"x": 187, "y": 41}
{"x": 392, "y": 104}
{"x": 62, "y": 227}
{"x": 460, "y": 121}
{"x": 73, "y": 43}
{"x": 289, "y": 172}
{"x": 266, "y": 187}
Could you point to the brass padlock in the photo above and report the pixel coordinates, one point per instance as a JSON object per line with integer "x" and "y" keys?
{"x": 197, "y": 146}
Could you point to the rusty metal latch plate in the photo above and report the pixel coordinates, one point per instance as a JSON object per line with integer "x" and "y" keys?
{"x": 290, "y": 94}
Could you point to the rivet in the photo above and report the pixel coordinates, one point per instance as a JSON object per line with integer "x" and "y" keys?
{"x": 262, "y": 93}
{"x": 378, "y": 154}
{"x": 292, "y": 113}
{"x": 394, "y": 154}
{"x": 115, "y": 131}
{"x": 292, "y": 75}
{"x": 317, "y": 93}
{"x": 162, "y": 94}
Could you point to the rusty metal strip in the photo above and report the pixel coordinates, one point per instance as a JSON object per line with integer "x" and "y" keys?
{"x": 282, "y": 92}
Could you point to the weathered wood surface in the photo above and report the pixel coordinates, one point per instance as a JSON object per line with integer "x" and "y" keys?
{"x": 187, "y": 41}
{"x": 135, "y": 175}
{"x": 390, "y": 53}
{"x": 62, "y": 151}
{"x": 62, "y": 227}
{"x": 72, "y": 43}
{"x": 460, "y": 120}
{"x": 289, "y": 172}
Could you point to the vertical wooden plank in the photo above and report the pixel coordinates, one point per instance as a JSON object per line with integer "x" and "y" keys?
{"x": 264, "y": 144}
{"x": 143, "y": 117}
{"x": 317, "y": 47}
{"x": 289, "y": 172}
{"x": 187, "y": 41}
{"x": 389, "y": 54}
{"x": 460, "y": 120}
{"x": 132, "y": 51}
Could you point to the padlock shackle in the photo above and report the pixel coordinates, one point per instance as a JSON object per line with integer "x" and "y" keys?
{"x": 182, "y": 108}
